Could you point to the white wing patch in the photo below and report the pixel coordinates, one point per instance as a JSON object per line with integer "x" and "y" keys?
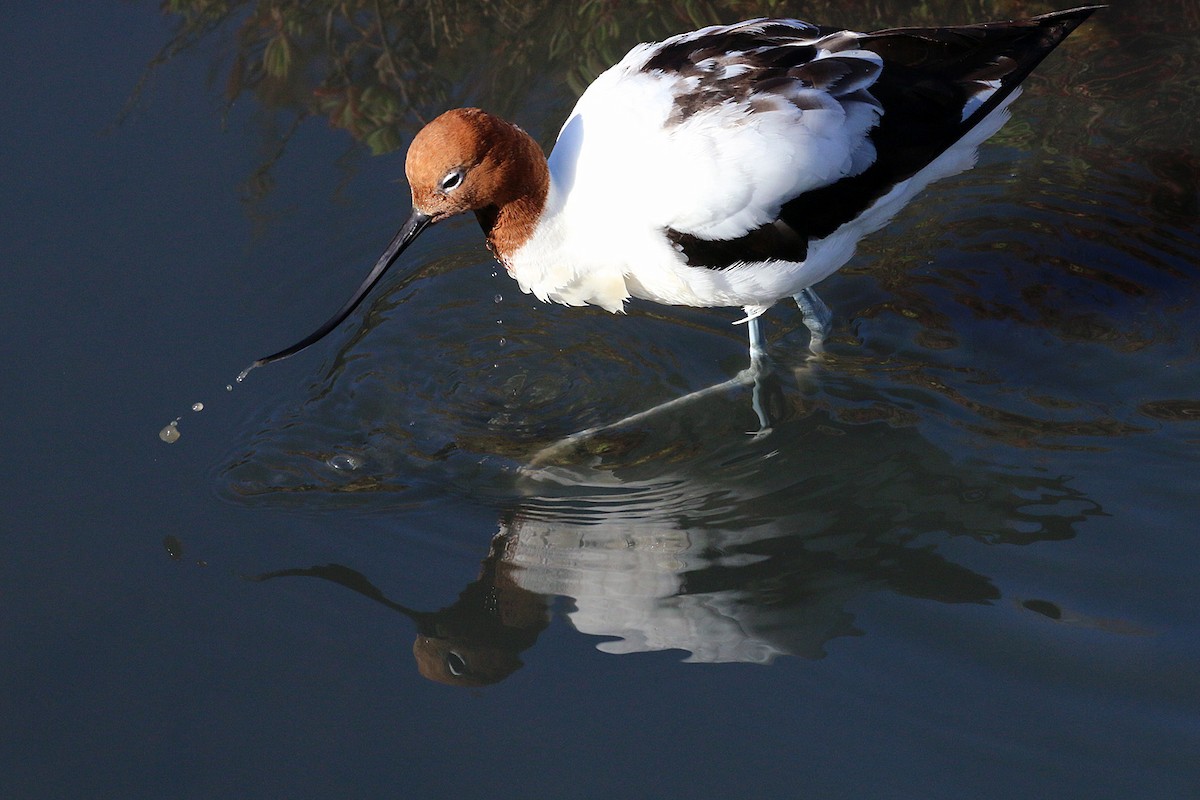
{"x": 725, "y": 168}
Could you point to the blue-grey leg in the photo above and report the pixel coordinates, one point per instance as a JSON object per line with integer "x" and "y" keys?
{"x": 817, "y": 317}
{"x": 759, "y": 374}
{"x": 758, "y": 348}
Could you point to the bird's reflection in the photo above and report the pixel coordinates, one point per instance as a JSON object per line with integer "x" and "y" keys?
{"x": 729, "y": 559}
{"x": 477, "y": 640}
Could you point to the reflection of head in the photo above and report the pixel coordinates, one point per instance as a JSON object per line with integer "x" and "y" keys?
{"x": 476, "y": 641}
{"x": 463, "y": 663}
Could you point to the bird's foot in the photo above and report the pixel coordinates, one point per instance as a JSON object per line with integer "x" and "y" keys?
{"x": 817, "y": 318}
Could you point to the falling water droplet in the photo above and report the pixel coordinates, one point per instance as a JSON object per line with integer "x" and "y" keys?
{"x": 170, "y": 434}
{"x": 197, "y": 406}
{"x": 499, "y": 298}
{"x": 174, "y": 547}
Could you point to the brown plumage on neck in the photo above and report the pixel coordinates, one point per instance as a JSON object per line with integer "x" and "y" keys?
{"x": 505, "y": 177}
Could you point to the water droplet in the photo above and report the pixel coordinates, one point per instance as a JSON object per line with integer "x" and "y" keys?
{"x": 174, "y": 547}
{"x": 197, "y": 406}
{"x": 503, "y": 341}
{"x": 229, "y": 387}
{"x": 344, "y": 461}
{"x": 170, "y": 434}
{"x": 499, "y": 298}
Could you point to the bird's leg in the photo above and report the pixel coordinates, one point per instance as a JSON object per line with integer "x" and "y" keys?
{"x": 758, "y": 348}
{"x": 760, "y": 374}
{"x": 817, "y": 318}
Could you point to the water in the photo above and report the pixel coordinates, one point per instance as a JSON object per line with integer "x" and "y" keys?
{"x": 961, "y": 564}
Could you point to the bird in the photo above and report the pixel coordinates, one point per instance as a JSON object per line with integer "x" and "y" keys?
{"x": 731, "y": 166}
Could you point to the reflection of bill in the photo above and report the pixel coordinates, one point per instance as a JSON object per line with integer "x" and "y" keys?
{"x": 730, "y": 561}
{"x": 474, "y": 642}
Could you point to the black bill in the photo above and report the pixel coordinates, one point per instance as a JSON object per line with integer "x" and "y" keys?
{"x": 416, "y": 223}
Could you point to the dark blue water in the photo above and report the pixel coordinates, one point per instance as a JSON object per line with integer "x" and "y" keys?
{"x": 961, "y": 565}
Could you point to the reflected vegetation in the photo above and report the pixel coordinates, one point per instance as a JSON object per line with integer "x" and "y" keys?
{"x": 371, "y": 66}
{"x": 378, "y": 69}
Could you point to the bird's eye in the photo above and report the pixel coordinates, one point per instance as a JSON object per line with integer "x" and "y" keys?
{"x": 452, "y": 180}
{"x": 455, "y": 663}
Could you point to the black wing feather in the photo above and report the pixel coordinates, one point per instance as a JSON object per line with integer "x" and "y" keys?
{"x": 928, "y": 77}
